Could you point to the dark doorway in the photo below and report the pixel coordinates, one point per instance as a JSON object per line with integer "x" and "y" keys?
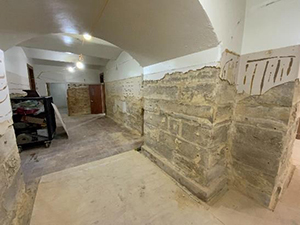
{"x": 102, "y": 78}
{"x": 97, "y": 98}
{"x": 31, "y": 78}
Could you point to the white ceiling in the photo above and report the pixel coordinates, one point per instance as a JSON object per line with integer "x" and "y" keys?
{"x": 66, "y": 48}
{"x": 150, "y": 30}
{"x": 62, "y": 56}
{"x": 74, "y": 43}
{"x": 37, "y": 62}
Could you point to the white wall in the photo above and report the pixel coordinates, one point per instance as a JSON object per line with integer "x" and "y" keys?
{"x": 121, "y": 68}
{"x": 59, "y": 94}
{"x": 58, "y": 74}
{"x": 271, "y": 25}
{"x": 16, "y": 69}
{"x": 183, "y": 64}
{"x": 5, "y": 107}
{"x": 227, "y": 18}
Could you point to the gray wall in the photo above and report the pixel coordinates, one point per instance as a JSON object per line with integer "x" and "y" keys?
{"x": 59, "y": 94}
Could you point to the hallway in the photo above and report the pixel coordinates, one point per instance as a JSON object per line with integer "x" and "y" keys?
{"x": 178, "y": 112}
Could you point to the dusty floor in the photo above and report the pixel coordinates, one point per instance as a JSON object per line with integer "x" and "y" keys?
{"x": 92, "y": 137}
{"x": 129, "y": 189}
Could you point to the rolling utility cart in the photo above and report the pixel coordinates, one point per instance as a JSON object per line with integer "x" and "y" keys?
{"x": 34, "y": 121}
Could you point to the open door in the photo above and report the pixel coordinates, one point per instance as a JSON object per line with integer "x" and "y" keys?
{"x": 97, "y": 98}
{"x": 31, "y": 78}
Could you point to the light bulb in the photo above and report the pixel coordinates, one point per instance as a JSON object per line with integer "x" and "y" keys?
{"x": 87, "y": 36}
{"x": 71, "y": 69}
{"x": 80, "y": 65}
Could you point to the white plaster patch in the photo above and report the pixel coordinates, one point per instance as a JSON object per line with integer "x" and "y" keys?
{"x": 5, "y": 107}
{"x": 229, "y": 67}
{"x": 261, "y": 71}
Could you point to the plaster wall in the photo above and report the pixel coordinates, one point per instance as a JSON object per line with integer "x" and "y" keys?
{"x": 271, "y": 24}
{"x": 228, "y": 19}
{"x": 58, "y": 74}
{"x": 12, "y": 188}
{"x": 59, "y": 94}
{"x": 122, "y": 68}
{"x": 16, "y": 69}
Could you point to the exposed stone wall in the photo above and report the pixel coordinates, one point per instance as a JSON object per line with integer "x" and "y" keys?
{"x": 78, "y": 99}
{"x": 12, "y": 189}
{"x": 187, "y": 120}
{"x": 262, "y": 137}
{"x": 124, "y": 102}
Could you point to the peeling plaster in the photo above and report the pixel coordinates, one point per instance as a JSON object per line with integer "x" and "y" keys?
{"x": 259, "y": 72}
{"x": 183, "y": 64}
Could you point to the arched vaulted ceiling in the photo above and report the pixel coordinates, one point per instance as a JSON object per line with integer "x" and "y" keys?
{"x": 151, "y": 31}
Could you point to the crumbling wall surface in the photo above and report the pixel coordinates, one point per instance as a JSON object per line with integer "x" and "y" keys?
{"x": 124, "y": 102}
{"x": 262, "y": 138}
{"x": 264, "y": 121}
{"x": 187, "y": 119}
{"x": 12, "y": 189}
{"x": 78, "y": 99}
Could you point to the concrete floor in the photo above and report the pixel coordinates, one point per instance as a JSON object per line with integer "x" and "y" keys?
{"x": 123, "y": 189}
{"x": 78, "y": 184}
{"x": 129, "y": 189}
{"x": 92, "y": 137}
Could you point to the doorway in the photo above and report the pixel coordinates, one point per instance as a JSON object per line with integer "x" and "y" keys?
{"x": 97, "y": 98}
{"x": 31, "y": 78}
{"x": 58, "y": 91}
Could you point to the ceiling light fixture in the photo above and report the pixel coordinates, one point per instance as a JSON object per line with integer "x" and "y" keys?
{"x": 80, "y": 65}
{"x": 71, "y": 69}
{"x": 87, "y": 36}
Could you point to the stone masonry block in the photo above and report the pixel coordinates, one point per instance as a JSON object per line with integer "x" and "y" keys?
{"x": 160, "y": 92}
{"x": 223, "y": 113}
{"x": 278, "y": 114}
{"x": 193, "y": 132}
{"x": 219, "y": 135}
{"x": 170, "y": 107}
{"x": 254, "y": 177}
{"x": 225, "y": 93}
{"x": 174, "y": 126}
{"x": 259, "y": 148}
{"x": 280, "y": 96}
{"x": 198, "y": 94}
{"x": 157, "y": 120}
{"x": 190, "y": 169}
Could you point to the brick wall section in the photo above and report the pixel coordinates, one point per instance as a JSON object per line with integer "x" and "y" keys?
{"x": 187, "y": 121}
{"x": 124, "y": 103}
{"x": 262, "y": 138}
{"x": 78, "y": 99}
